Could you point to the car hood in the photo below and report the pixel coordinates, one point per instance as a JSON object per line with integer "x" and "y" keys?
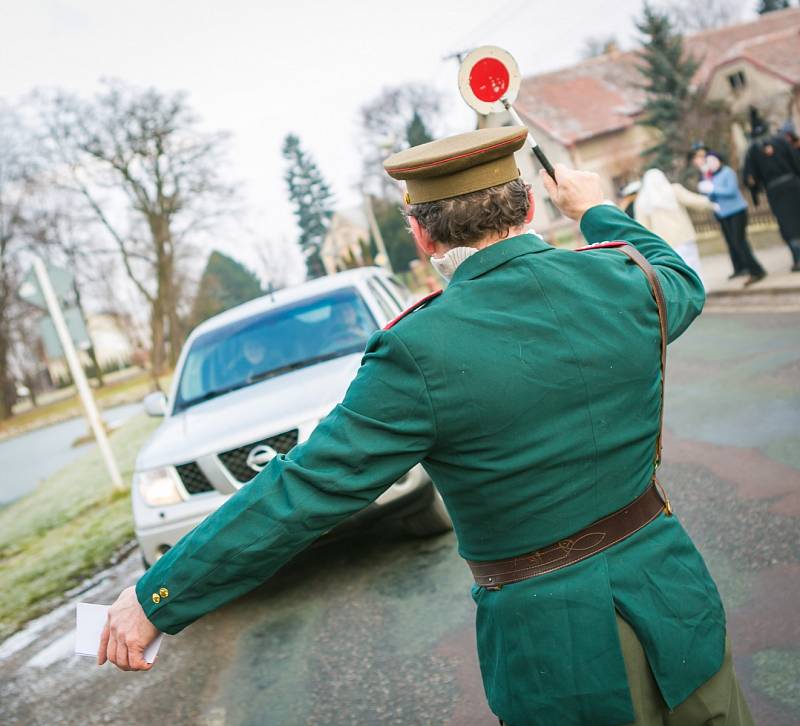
{"x": 249, "y": 414}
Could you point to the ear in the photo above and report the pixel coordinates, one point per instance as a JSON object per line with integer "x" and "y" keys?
{"x": 531, "y": 206}
{"x": 426, "y": 245}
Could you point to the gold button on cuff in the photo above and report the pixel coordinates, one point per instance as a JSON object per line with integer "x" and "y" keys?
{"x": 163, "y": 592}
{"x": 156, "y": 598}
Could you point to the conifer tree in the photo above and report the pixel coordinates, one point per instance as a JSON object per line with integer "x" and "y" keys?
{"x": 312, "y": 200}
{"x": 416, "y": 131}
{"x": 668, "y": 73}
{"x": 225, "y": 283}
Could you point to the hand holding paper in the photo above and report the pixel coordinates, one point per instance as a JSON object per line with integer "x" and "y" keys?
{"x": 126, "y": 634}
{"x": 91, "y": 619}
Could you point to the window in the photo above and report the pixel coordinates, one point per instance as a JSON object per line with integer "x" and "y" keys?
{"x": 737, "y": 80}
{"x": 396, "y": 292}
{"x": 385, "y": 303}
{"x": 401, "y": 292}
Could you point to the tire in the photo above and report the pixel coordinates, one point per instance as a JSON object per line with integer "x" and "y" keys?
{"x": 431, "y": 520}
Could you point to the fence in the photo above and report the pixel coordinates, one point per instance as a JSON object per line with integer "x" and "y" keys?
{"x": 758, "y": 217}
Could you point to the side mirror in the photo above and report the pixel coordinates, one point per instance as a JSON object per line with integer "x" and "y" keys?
{"x": 155, "y": 404}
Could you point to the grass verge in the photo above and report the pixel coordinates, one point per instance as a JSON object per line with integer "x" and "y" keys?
{"x": 66, "y": 530}
{"x": 125, "y": 390}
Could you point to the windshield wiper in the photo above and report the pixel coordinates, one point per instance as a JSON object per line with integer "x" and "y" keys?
{"x": 264, "y": 375}
{"x": 255, "y": 378}
{"x": 214, "y": 393}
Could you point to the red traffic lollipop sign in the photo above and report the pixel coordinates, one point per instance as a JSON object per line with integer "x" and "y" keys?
{"x": 487, "y": 77}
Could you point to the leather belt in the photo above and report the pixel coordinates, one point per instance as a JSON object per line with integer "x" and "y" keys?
{"x": 615, "y": 527}
{"x": 590, "y": 540}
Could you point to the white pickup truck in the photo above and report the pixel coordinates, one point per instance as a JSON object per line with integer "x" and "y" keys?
{"x": 250, "y": 384}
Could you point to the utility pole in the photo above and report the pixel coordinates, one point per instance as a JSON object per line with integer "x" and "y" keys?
{"x": 78, "y": 376}
{"x": 376, "y": 234}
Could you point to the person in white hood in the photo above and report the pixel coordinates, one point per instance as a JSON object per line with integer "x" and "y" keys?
{"x": 661, "y": 207}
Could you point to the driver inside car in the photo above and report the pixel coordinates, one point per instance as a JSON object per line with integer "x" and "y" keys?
{"x": 345, "y": 328}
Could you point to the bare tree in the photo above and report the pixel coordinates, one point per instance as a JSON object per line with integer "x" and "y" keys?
{"x": 282, "y": 261}
{"x": 398, "y": 117}
{"x": 150, "y": 176}
{"x": 26, "y": 354}
{"x": 690, "y": 16}
{"x": 16, "y": 185}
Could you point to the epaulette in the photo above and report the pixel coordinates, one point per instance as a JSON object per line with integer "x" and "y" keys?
{"x": 601, "y": 245}
{"x": 416, "y": 306}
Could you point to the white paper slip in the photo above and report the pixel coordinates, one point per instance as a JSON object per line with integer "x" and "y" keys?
{"x": 90, "y": 622}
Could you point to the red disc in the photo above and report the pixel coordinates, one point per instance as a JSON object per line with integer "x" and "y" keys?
{"x": 488, "y": 79}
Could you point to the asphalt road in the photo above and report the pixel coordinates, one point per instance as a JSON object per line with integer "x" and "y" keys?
{"x": 379, "y": 630}
{"x": 30, "y": 457}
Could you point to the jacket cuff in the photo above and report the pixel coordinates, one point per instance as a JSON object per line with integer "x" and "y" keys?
{"x": 597, "y": 220}
{"x": 154, "y": 597}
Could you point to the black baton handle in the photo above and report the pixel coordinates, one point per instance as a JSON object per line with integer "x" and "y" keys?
{"x": 545, "y": 162}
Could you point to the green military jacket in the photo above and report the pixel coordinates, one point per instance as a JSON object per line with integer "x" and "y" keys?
{"x": 529, "y": 390}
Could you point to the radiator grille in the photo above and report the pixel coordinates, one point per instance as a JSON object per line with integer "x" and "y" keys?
{"x": 235, "y": 460}
{"x": 194, "y": 481}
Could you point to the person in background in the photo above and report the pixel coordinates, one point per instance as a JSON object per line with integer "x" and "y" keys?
{"x": 722, "y": 187}
{"x": 789, "y": 132}
{"x": 628, "y": 197}
{"x": 661, "y": 207}
{"x": 772, "y": 164}
{"x": 697, "y": 158}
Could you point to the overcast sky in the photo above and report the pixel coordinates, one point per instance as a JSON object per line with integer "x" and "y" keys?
{"x": 263, "y": 69}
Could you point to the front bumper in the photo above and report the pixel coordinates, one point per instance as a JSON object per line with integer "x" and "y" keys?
{"x": 159, "y": 528}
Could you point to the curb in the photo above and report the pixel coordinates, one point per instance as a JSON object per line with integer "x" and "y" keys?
{"x": 753, "y": 291}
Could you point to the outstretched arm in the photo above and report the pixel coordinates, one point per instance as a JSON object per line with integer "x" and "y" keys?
{"x": 382, "y": 428}
{"x": 691, "y": 199}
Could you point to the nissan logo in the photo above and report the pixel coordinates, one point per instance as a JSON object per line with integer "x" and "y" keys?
{"x": 260, "y": 456}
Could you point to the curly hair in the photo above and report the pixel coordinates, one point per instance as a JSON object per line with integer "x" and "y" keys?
{"x": 467, "y": 219}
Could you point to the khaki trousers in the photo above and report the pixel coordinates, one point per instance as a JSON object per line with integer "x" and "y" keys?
{"x": 718, "y": 702}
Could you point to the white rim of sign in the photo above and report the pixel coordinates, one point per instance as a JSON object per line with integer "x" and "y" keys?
{"x": 514, "y": 79}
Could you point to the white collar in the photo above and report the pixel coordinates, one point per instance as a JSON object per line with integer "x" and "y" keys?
{"x": 447, "y": 263}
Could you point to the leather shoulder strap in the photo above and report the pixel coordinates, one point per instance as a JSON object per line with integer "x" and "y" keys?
{"x": 416, "y": 306}
{"x": 658, "y": 294}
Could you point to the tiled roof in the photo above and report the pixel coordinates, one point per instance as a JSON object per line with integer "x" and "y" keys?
{"x": 603, "y": 94}
{"x": 589, "y": 99}
{"x": 721, "y": 44}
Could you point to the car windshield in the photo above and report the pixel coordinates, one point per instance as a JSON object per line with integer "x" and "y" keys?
{"x": 309, "y": 331}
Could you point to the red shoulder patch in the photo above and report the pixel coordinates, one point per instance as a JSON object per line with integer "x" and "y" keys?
{"x": 602, "y": 245}
{"x": 411, "y": 309}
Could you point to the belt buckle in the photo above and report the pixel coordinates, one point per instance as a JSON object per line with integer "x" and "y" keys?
{"x": 664, "y": 497}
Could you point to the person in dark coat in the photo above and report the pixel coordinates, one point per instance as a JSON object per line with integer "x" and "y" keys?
{"x": 772, "y": 165}
{"x": 789, "y": 132}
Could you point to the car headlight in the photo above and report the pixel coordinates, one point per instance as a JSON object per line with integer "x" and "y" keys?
{"x": 158, "y": 487}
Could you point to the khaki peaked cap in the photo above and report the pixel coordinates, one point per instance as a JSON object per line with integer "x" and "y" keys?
{"x": 458, "y": 164}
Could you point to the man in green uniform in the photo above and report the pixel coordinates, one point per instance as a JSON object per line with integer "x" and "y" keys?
{"x": 530, "y": 390}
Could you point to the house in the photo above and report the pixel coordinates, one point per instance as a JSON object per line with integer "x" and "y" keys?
{"x": 110, "y": 334}
{"x": 585, "y": 115}
{"x": 346, "y": 241}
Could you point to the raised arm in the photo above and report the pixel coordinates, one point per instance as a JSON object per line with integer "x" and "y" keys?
{"x": 579, "y": 196}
